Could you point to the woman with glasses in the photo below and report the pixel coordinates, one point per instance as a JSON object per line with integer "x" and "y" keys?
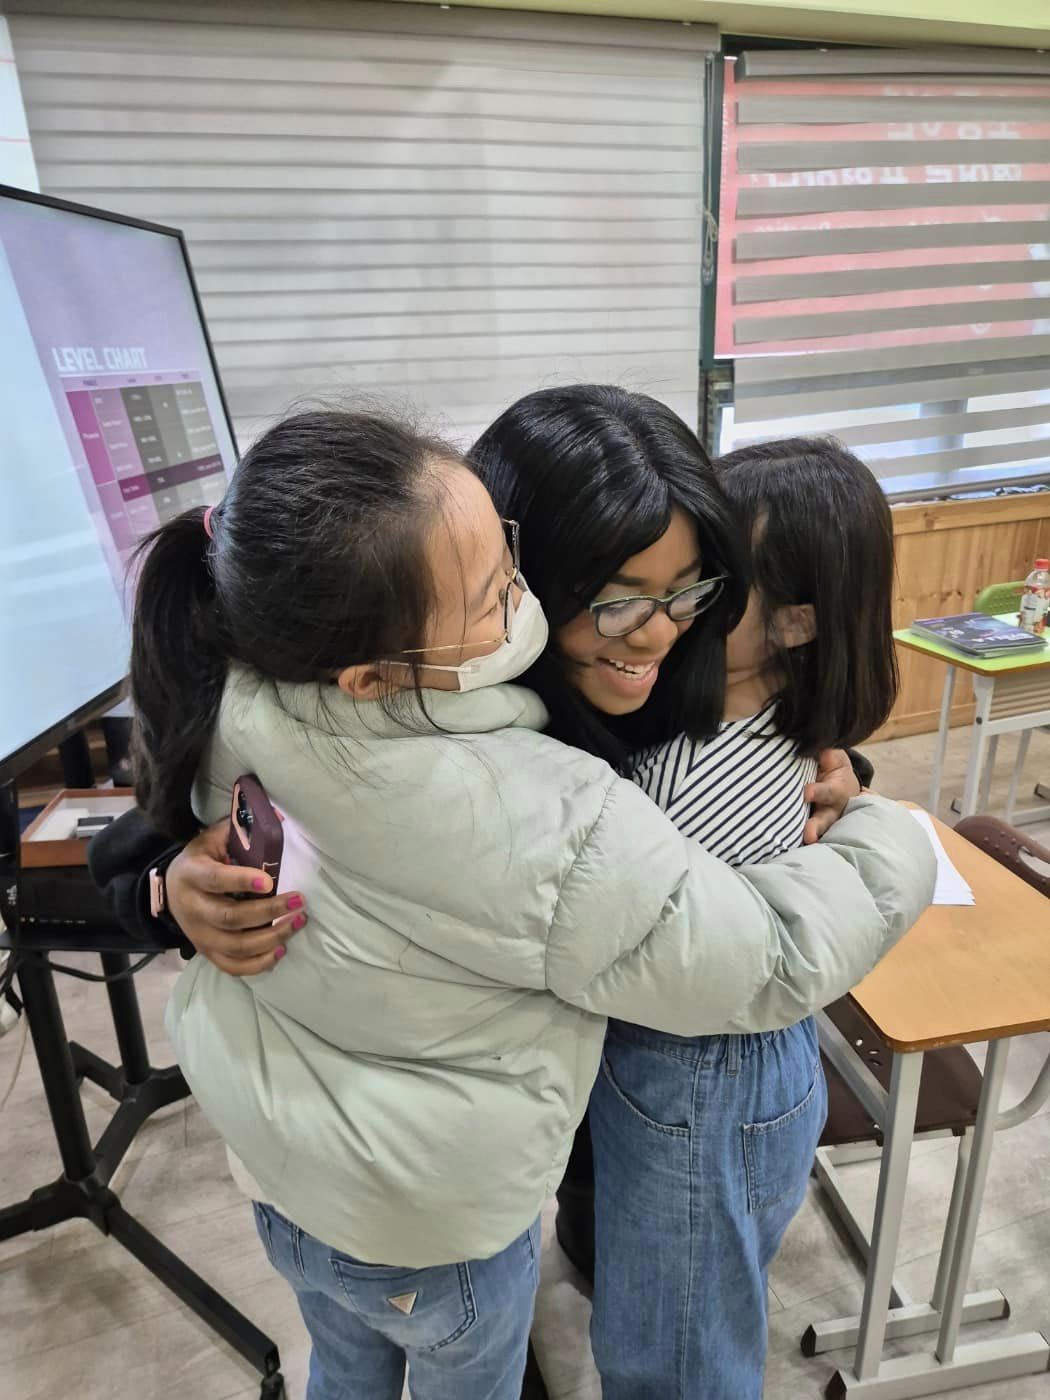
{"x": 625, "y": 540}
{"x": 628, "y": 543}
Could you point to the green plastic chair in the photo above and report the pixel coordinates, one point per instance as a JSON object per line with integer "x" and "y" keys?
{"x": 999, "y": 598}
{"x": 1004, "y": 598}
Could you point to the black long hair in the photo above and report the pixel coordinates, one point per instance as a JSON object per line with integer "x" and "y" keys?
{"x": 593, "y": 474}
{"x": 821, "y": 533}
{"x": 316, "y": 561}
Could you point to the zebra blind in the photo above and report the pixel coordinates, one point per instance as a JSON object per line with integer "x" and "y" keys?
{"x": 884, "y": 269}
{"x": 448, "y": 208}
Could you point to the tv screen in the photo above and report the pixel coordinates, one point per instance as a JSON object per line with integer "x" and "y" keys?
{"x": 112, "y": 420}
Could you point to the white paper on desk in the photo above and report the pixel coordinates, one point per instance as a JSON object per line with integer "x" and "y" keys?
{"x": 951, "y": 888}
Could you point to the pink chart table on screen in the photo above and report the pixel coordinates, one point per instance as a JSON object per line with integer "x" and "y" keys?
{"x": 150, "y": 447}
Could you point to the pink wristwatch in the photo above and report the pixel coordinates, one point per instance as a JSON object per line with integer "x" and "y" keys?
{"x": 158, "y": 899}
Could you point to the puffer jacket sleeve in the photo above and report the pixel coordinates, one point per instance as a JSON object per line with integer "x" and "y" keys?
{"x": 653, "y": 930}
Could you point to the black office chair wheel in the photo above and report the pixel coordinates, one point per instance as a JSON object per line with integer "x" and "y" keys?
{"x": 272, "y": 1387}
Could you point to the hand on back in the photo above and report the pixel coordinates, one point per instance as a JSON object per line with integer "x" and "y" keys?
{"x": 836, "y": 784}
{"x": 240, "y": 936}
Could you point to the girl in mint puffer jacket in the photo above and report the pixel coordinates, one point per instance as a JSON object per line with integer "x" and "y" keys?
{"x": 403, "y": 1089}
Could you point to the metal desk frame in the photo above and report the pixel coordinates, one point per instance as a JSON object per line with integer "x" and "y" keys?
{"x": 1012, "y": 696}
{"x": 1001, "y": 699}
{"x": 887, "y": 1311}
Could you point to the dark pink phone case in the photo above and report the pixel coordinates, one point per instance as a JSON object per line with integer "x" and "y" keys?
{"x": 256, "y": 839}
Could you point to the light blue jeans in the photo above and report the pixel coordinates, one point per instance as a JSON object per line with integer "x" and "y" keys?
{"x": 702, "y": 1150}
{"x": 462, "y": 1329}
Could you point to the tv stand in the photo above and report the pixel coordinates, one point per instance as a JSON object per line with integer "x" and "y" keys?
{"x": 83, "y": 1190}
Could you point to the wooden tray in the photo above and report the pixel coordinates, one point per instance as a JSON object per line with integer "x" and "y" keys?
{"x": 48, "y": 840}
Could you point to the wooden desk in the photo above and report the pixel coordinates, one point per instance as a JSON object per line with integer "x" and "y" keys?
{"x": 1012, "y": 695}
{"x": 966, "y": 974}
{"x": 963, "y": 975}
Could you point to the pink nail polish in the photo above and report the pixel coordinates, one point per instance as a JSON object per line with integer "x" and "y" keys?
{"x": 279, "y": 954}
{"x": 296, "y": 902}
{"x": 299, "y": 922}
{"x": 260, "y": 883}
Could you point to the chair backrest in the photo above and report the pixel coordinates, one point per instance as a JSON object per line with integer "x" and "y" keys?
{"x": 1028, "y": 860}
{"x": 999, "y": 598}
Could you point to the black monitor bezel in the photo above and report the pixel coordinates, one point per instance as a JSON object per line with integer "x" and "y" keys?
{"x": 16, "y": 762}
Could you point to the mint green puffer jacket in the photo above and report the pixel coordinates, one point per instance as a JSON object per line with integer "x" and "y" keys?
{"x": 406, "y": 1083}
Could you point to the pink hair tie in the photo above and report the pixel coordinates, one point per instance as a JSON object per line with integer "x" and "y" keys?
{"x": 207, "y": 522}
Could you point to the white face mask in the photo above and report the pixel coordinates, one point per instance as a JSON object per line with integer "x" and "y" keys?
{"x": 528, "y": 637}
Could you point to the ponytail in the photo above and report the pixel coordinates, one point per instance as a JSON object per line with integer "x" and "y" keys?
{"x": 179, "y": 658}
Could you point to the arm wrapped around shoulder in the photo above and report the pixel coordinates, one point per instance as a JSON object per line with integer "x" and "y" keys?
{"x": 651, "y": 929}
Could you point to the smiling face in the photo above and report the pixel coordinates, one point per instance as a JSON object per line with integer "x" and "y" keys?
{"x": 617, "y": 674}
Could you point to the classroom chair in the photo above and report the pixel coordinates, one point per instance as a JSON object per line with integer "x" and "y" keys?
{"x": 999, "y": 598}
{"x": 1029, "y": 860}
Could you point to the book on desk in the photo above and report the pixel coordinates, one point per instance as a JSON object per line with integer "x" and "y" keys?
{"x": 977, "y": 634}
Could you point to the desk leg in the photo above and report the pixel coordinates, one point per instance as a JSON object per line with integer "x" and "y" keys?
{"x": 906, "y": 1318}
{"x": 942, "y": 738}
{"x": 889, "y": 1208}
{"x": 952, "y": 1367}
{"x": 985, "y": 796}
{"x": 951, "y": 1225}
{"x": 1015, "y": 776}
{"x": 984, "y": 688}
{"x": 973, "y": 1194}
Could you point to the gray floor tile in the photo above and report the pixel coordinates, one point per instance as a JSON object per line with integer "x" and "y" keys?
{"x": 903, "y": 768}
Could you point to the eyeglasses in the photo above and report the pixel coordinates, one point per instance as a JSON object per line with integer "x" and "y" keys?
{"x": 620, "y": 616}
{"x": 512, "y": 533}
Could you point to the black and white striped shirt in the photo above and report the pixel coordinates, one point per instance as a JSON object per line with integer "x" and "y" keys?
{"x": 739, "y": 793}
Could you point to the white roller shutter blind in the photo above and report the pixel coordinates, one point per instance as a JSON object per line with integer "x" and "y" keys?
{"x": 884, "y": 272}
{"x": 448, "y": 208}
{"x": 16, "y": 157}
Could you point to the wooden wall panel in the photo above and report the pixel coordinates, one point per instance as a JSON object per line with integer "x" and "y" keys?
{"x": 946, "y": 553}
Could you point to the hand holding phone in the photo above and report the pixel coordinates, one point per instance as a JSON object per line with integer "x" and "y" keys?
{"x": 256, "y": 839}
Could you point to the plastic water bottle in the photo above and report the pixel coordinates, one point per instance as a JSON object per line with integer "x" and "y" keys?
{"x": 1035, "y": 600}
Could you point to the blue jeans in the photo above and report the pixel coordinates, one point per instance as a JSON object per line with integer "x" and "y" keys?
{"x": 462, "y": 1329}
{"x": 702, "y": 1151}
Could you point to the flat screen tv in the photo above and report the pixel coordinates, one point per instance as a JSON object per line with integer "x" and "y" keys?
{"x": 112, "y": 419}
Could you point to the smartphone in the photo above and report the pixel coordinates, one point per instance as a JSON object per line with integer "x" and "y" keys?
{"x": 256, "y": 838}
